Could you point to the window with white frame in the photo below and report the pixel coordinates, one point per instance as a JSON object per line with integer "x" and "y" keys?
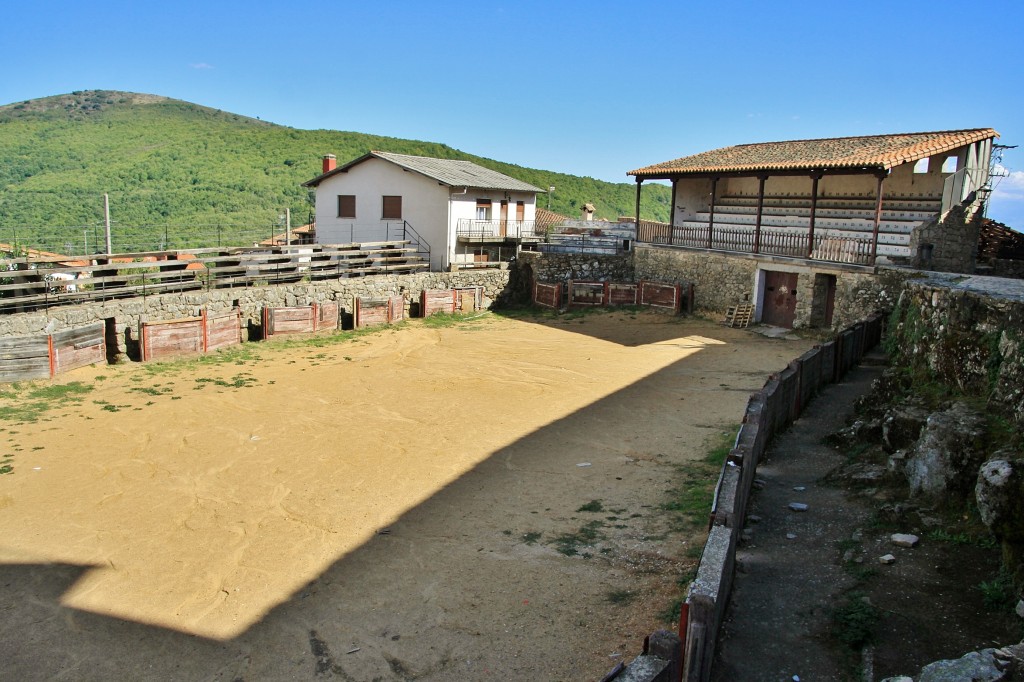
{"x": 483, "y": 209}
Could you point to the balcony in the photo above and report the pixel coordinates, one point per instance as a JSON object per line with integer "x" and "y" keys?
{"x": 497, "y": 230}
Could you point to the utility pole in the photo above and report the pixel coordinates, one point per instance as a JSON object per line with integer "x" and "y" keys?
{"x": 106, "y": 222}
{"x": 287, "y": 227}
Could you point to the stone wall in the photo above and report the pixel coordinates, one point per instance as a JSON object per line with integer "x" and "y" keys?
{"x": 950, "y": 245}
{"x": 123, "y": 315}
{"x": 721, "y": 281}
{"x": 562, "y": 267}
{"x": 967, "y": 333}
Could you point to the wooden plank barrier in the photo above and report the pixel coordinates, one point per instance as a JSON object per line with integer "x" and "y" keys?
{"x": 23, "y": 358}
{"x": 588, "y": 293}
{"x": 373, "y": 311}
{"x": 782, "y": 398}
{"x": 300, "y": 319}
{"x": 163, "y": 339}
{"x": 622, "y": 294}
{"x": 547, "y": 295}
{"x": 74, "y": 348}
{"x": 664, "y": 296}
{"x": 223, "y": 329}
{"x": 433, "y": 301}
{"x": 171, "y": 338}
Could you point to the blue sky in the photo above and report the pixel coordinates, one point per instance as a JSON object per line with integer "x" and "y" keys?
{"x": 591, "y": 88}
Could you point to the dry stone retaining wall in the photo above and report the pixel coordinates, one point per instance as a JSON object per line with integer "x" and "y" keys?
{"x": 129, "y": 312}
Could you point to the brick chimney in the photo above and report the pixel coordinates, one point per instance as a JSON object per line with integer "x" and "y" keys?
{"x": 330, "y": 162}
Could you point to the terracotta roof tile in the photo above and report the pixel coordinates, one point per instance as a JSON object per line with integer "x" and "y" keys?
{"x": 870, "y": 151}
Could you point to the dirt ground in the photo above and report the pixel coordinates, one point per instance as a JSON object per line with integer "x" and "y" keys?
{"x": 476, "y": 501}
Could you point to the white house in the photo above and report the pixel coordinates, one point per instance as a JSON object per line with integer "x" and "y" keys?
{"x": 465, "y": 212}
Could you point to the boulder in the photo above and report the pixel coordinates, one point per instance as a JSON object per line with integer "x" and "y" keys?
{"x": 947, "y": 456}
{"x": 902, "y": 427}
{"x": 999, "y": 492}
{"x": 977, "y": 666}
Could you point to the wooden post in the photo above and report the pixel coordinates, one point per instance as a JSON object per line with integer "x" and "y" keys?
{"x": 711, "y": 216}
{"x": 760, "y": 209}
{"x": 106, "y": 223}
{"x": 668, "y": 647}
{"x": 287, "y": 227}
{"x": 671, "y": 214}
{"x": 878, "y": 217}
{"x": 814, "y": 210}
{"x": 638, "y": 183}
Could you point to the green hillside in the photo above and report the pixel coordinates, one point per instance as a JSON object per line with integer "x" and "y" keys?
{"x": 171, "y": 165}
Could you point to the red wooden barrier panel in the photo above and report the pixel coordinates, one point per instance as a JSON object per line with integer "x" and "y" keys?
{"x": 588, "y": 293}
{"x": 665, "y": 296}
{"x": 371, "y": 311}
{"x": 171, "y": 338}
{"x": 622, "y": 294}
{"x": 300, "y": 319}
{"x": 433, "y": 301}
{"x": 547, "y": 295}
{"x": 223, "y": 329}
{"x": 75, "y": 348}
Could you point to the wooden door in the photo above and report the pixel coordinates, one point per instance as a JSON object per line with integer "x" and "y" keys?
{"x": 504, "y": 217}
{"x": 779, "y": 303}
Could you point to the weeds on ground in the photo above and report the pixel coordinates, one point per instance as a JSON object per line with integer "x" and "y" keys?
{"x": 691, "y": 501}
{"x": 619, "y": 597}
{"x": 855, "y": 621}
{"x": 998, "y": 594}
{"x": 29, "y": 402}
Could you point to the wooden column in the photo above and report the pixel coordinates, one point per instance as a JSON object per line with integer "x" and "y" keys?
{"x": 814, "y": 212}
{"x": 672, "y": 214}
{"x": 711, "y": 214}
{"x": 638, "y": 183}
{"x": 760, "y": 209}
{"x": 878, "y": 216}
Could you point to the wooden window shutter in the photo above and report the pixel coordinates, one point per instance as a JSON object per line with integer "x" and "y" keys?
{"x": 346, "y": 206}
{"x": 392, "y": 209}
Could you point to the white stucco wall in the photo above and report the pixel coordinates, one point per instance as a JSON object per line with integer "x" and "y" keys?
{"x": 463, "y": 207}
{"x": 424, "y": 207}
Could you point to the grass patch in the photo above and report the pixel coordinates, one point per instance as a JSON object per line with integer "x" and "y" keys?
{"x": 30, "y": 402}
{"x": 855, "y": 621}
{"x": 588, "y": 535}
{"x": 998, "y": 594}
{"x": 619, "y": 597}
{"x": 592, "y": 506}
{"x": 531, "y": 538}
{"x": 691, "y": 499}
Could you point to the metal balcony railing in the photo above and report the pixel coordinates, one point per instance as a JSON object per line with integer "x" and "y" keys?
{"x": 479, "y": 230}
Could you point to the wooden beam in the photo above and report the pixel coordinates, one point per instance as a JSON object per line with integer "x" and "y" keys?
{"x": 878, "y": 217}
{"x": 760, "y": 209}
{"x": 815, "y": 177}
{"x": 711, "y": 216}
{"x": 638, "y": 183}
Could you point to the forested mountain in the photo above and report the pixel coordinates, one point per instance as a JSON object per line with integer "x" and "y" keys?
{"x": 169, "y": 162}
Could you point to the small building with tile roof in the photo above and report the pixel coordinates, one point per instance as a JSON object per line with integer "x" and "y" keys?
{"x": 465, "y": 212}
{"x": 822, "y": 206}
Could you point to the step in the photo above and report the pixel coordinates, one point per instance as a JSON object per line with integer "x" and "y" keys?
{"x": 896, "y": 226}
{"x": 805, "y": 211}
{"x": 930, "y": 204}
{"x": 900, "y": 238}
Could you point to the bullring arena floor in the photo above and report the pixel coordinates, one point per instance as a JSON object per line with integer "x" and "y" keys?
{"x": 477, "y": 501}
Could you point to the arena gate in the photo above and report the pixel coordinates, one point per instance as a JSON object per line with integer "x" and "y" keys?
{"x": 666, "y": 296}
{"x": 39, "y": 357}
{"x": 300, "y": 319}
{"x": 190, "y": 335}
{"x": 371, "y": 311}
{"x": 547, "y": 295}
{"x": 458, "y": 300}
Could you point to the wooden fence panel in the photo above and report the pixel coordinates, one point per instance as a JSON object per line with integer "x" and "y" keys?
{"x": 289, "y": 320}
{"x": 372, "y": 311}
{"x": 469, "y": 299}
{"x": 622, "y": 294}
{"x": 328, "y": 315}
{"x": 24, "y": 357}
{"x": 171, "y": 338}
{"x": 74, "y": 348}
{"x": 433, "y": 301}
{"x": 223, "y": 329}
{"x": 665, "y": 296}
{"x": 587, "y": 293}
{"x": 547, "y": 295}
{"x": 828, "y": 363}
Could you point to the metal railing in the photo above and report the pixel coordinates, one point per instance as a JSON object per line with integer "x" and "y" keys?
{"x": 496, "y": 229}
{"x": 828, "y": 245}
